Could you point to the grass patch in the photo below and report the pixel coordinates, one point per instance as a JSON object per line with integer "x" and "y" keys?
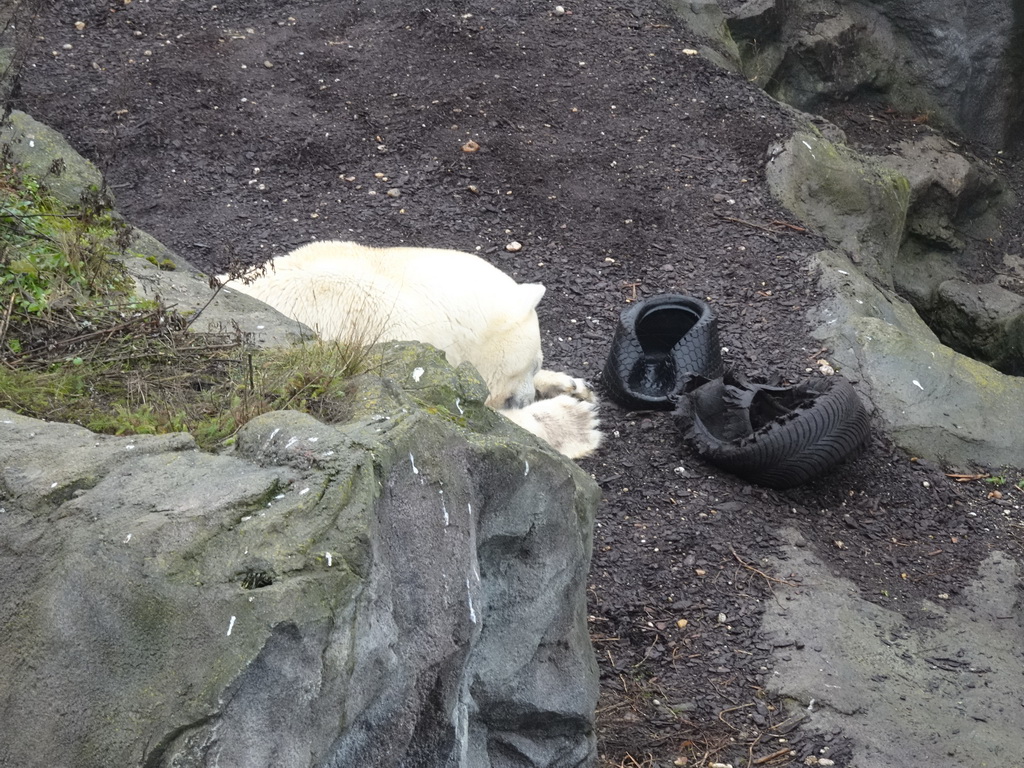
{"x": 76, "y": 345}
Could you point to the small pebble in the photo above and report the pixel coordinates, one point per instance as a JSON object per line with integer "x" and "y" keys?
{"x": 514, "y": 246}
{"x": 66, "y": 46}
{"x": 559, "y": 10}
{"x": 79, "y": 25}
{"x": 394, "y": 192}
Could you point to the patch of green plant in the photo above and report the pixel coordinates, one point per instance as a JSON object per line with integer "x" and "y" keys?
{"x": 76, "y": 344}
{"x": 204, "y": 384}
{"x": 55, "y": 257}
{"x": 996, "y": 480}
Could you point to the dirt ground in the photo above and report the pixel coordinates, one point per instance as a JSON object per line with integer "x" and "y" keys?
{"x": 625, "y": 166}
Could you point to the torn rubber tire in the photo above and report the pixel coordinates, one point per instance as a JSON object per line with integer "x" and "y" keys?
{"x": 657, "y": 342}
{"x": 775, "y": 436}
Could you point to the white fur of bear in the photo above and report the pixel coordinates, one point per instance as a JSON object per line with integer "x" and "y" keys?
{"x": 452, "y": 300}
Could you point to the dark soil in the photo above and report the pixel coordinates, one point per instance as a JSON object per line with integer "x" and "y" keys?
{"x": 626, "y": 167}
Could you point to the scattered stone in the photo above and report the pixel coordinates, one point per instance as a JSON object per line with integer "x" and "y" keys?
{"x": 514, "y": 247}
{"x": 394, "y": 192}
{"x": 79, "y": 25}
{"x": 470, "y": 146}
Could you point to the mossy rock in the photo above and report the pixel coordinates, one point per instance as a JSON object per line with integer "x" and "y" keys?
{"x": 41, "y": 152}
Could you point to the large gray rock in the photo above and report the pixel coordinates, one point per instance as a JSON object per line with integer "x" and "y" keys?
{"x": 406, "y": 588}
{"x": 934, "y": 402}
{"x": 859, "y": 204}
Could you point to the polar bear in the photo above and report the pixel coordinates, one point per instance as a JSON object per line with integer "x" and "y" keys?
{"x": 455, "y": 301}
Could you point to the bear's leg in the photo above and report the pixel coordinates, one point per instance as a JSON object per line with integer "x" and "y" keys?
{"x": 569, "y": 425}
{"x": 552, "y": 383}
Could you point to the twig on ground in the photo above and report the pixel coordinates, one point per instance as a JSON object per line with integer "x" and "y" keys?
{"x": 761, "y": 573}
{"x": 762, "y": 227}
{"x": 786, "y": 224}
{"x": 733, "y": 709}
{"x": 773, "y": 756}
{"x": 5, "y": 324}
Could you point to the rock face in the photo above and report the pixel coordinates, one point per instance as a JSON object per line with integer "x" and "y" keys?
{"x": 406, "y": 588}
{"x": 857, "y": 203}
{"x": 901, "y": 690}
{"x": 955, "y": 61}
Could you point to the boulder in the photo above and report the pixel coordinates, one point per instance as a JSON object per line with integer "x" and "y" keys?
{"x": 41, "y": 152}
{"x": 858, "y": 204}
{"x": 932, "y": 401}
{"x": 955, "y": 200}
{"x": 984, "y": 321}
{"x": 404, "y": 588}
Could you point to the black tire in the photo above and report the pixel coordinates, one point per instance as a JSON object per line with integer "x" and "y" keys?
{"x": 657, "y": 342}
{"x": 780, "y": 437}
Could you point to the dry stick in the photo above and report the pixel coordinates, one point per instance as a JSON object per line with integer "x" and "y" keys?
{"x": 732, "y": 709}
{"x": 966, "y": 478}
{"x": 750, "y": 749}
{"x": 140, "y": 320}
{"x": 794, "y": 227}
{"x": 198, "y": 312}
{"x": 760, "y": 573}
{"x": 7, "y": 319}
{"x": 772, "y": 756}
